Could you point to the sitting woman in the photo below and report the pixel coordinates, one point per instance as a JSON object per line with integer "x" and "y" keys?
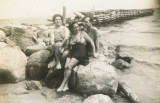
{"x": 58, "y": 38}
{"x": 77, "y": 54}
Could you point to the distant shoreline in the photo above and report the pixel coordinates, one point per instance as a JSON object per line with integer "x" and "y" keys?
{"x": 37, "y": 20}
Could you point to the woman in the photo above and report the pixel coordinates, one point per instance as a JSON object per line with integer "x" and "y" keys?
{"x": 58, "y": 38}
{"x": 77, "y": 54}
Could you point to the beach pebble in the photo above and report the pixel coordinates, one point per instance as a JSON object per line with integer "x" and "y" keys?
{"x": 98, "y": 98}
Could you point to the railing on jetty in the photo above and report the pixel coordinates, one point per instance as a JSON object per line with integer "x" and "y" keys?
{"x": 105, "y": 16}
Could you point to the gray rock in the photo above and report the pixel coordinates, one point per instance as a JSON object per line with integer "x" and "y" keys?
{"x": 43, "y": 33}
{"x": 37, "y": 65}
{"x": 35, "y": 48}
{"x": 10, "y": 42}
{"x": 40, "y": 57}
{"x": 33, "y": 85}
{"x": 110, "y": 47}
{"x": 68, "y": 99}
{"x": 12, "y": 64}
{"x": 96, "y": 77}
{"x": 24, "y": 36}
{"x": 21, "y": 90}
{"x": 101, "y": 47}
{"x": 2, "y": 45}
{"x": 2, "y": 36}
{"x": 121, "y": 64}
{"x": 7, "y": 30}
{"x": 98, "y": 98}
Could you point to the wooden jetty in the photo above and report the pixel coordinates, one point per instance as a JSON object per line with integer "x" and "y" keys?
{"x": 105, "y": 16}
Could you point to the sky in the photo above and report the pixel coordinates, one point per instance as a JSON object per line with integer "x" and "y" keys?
{"x": 44, "y": 8}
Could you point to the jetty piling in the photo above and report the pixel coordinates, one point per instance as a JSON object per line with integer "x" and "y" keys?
{"x": 107, "y": 16}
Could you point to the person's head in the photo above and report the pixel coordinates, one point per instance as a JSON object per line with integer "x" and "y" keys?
{"x": 87, "y": 20}
{"x": 57, "y": 19}
{"x": 74, "y": 27}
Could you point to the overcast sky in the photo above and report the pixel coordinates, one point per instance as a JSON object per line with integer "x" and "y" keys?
{"x": 41, "y": 8}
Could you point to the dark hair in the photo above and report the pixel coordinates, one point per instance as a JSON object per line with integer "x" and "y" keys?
{"x": 57, "y": 15}
{"x": 71, "y": 24}
{"x": 90, "y": 18}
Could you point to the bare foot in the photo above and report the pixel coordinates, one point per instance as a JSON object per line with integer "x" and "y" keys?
{"x": 51, "y": 64}
{"x": 59, "y": 89}
{"x": 58, "y": 66}
{"x": 65, "y": 88}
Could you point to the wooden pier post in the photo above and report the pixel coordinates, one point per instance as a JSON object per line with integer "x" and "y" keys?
{"x": 64, "y": 14}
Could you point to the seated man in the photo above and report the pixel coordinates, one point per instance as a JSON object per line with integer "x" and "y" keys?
{"x": 92, "y": 32}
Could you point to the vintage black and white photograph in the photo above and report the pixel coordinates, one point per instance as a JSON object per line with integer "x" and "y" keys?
{"x": 79, "y": 51}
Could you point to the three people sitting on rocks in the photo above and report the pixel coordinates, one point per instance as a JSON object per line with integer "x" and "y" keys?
{"x": 71, "y": 48}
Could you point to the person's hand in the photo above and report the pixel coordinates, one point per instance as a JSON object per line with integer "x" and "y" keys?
{"x": 72, "y": 43}
{"x": 58, "y": 44}
{"x": 61, "y": 50}
{"x": 78, "y": 41}
{"x": 96, "y": 55}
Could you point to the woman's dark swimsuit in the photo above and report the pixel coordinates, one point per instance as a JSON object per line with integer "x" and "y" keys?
{"x": 79, "y": 50}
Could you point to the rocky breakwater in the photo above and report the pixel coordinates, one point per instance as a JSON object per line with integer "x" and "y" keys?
{"x": 24, "y": 55}
{"x": 15, "y": 40}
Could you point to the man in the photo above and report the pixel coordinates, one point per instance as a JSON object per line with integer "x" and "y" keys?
{"x": 92, "y": 32}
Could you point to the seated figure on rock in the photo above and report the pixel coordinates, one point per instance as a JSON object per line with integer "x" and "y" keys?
{"x": 92, "y": 32}
{"x": 78, "y": 52}
{"x": 59, "y": 37}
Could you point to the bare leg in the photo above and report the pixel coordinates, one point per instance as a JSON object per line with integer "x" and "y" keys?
{"x": 57, "y": 56}
{"x": 64, "y": 57}
{"x": 73, "y": 62}
{"x": 66, "y": 64}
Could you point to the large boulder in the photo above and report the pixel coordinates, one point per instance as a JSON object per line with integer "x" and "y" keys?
{"x": 24, "y": 36}
{"x": 2, "y": 35}
{"x": 2, "y": 45}
{"x": 37, "y": 65}
{"x": 35, "y": 48}
{"x": 121, "y": 64}
{"x": 7, "y": 30}
{"x": 43, "y": 33}
{"x": 95, "y": 78}
{"x": 12, "y": 64}
{"x": 98, "y": 98}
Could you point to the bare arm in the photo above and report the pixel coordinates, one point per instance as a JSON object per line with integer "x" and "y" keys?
{"x": 67, "y": 34}
{"x": 88, "y": 39}
{"x": 51, "y": 37}
{"x": 96, "y": 40}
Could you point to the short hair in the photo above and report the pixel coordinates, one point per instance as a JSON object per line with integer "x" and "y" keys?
{"x": 90, "y": 18}
{"x": 71, "y": 24}
{"x": 57, "y": 15}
